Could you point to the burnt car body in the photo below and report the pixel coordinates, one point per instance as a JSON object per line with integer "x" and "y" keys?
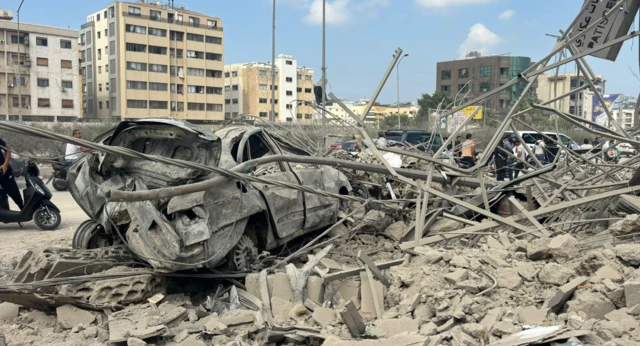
{"x": 232, "y": 221}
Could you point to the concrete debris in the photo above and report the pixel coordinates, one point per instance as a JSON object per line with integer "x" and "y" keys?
{"x": 8, "y": 311}
{"x": 555, "y": 274}
{"x": 593, "y": 304}
{"x": 70, "y": 316}
{"x": 629, "y": 254}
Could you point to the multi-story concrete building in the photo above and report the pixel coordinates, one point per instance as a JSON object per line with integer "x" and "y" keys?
{"x": 477, "y": 75}
{"x": 376, "y": 114}
{"x": 145, "y": 60}
{"x": 248, "y": 90}
{"x": 46, "y": 58}
{"x": 550, "y": 86}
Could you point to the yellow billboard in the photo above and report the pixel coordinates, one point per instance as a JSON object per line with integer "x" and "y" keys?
{"x": 468, "y": 110}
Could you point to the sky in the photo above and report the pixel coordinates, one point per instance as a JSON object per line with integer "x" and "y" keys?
{"x": 362, "y": 35}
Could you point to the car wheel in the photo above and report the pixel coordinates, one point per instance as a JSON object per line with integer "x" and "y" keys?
{"x": 47, "y": 219}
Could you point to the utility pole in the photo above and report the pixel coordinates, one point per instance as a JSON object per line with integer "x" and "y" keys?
{"x": 398, "y": 77}
{"x": 273, "y": 65}
{"x": 19, "y": 67}
{"x": 324, "y": 75}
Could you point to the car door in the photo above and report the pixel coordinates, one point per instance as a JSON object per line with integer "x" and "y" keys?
{"x": 320, "y": 210}
{"x": 286, "y": 205}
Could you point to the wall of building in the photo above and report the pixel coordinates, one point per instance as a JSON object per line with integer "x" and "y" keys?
{"x": 40, "y": 58}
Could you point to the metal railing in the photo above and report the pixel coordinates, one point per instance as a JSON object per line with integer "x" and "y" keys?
{"x": 86, "y": 25}
{"x": 171, "y": 21}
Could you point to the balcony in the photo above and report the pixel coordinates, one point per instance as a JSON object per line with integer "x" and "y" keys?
{"x": 171, "y": 21}
{"x": 87, "y": 25}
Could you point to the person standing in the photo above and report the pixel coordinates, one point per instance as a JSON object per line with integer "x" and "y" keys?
{"x": 7, "y": 180}
{"x": 500, "y": 155}
{"x": 539, "y": 150}
{"x": 382, "y": 140}
{"x": 521, "y": 157}
{"x": 508, "y": 145}
{"x": 586, "y": 145}
{"x": 73, "y": 152}
{"x": 468, "y": 152}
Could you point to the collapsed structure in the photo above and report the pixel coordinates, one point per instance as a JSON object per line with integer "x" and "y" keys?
{"x": 440, "y": 256}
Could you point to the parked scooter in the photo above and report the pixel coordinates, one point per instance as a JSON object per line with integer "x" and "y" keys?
{"x": 38, "y": 206}
{"x": 59, "y": 175}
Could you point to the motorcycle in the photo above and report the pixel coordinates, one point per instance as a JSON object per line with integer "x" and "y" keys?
{"x": 38, "y": 206}
{"x": 59, "y": 175}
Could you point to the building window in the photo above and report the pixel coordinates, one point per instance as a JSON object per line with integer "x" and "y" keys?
{"x": 158, "y": 104}
{"x": 99, "y": 54}
{"x": 299, "y": 90}
{"x": 158, "y": 32}
{"x": 227, "y": 75}
{"x": 195, "y": 54}
{"x": 195, "y": 22}
{"x": 99, "y": 69}
{"x": 64, "y": 44}
{"x": 445, "y": 75}
{"x": 276, "y": 87}
{"x": 234, "y": 74}
{"x": 262, "y": 73}
{"x": 289, "y": 80}
{"x": 214, "y": 40}
{"x": 135, "y": 11}
{"x": 234, "y": 87}
{"x": 307, "y": 116}
{"x": 100, "y": 87}
{"x": 98, "y": 19}
{"x": 227, "y": 101}
{"x": 134, "y": 47}
{"x": 41, "y": 41}
{"x": 137, "y": 104}
{"x": 42, "y": 62}
{"x": 136, "y": 29}
{"x": 485, "y": 71}
{"x": 227, "y": 88}
{"x": 67, "y": 103}
{"x": 463, "y": 88}
{"x": 308, "y": 77}
{"x": 195, "y": 89}
{"x": 66, "y": 64}
{"x": 44, "y": 103}
{"x": 99, "y": 104}
{"x": 106, "y": 68}
{"x": 212, "y": 23}
{"x": 98, "y": 32}
{"x": 14, "y": 39}
{"x": 262, "y": 100}
{"x": 288, "y": 62}
{"x": 43, "y": 82}
{"x": 136, "y": 66}
{"x": 157, "y": 68}
{"x": 234, "y": 101}
{"x": 263, "y": 87}
{"x": 193, "y": 106}
{"x": 199, "y": 72}
{"x": 158, "y": 87}
{"x": 263, "y": 114}
{"x": 504, "y": 71}
{"x": 214, "y": 91}
{"x": 299, "y": 116}
{"x": 289, "y": 93}
{"x": 195, "y": 37}
{"x": 157, "y": 50}
{"x": 112, "y": 29}
{"x": 299, "y": 76}
{"x": 445, "y": 88}
{"x": 214, "y": 74}
{"x": 176, "y": 35}
{"x": 308, "y": 90}
{"x": 214, "y": 107}
{"x": 67, "y": 84}
{"x": 289, "y": 106}
{"x": 157, "y": 16}
{"x": 485, "y": 87}
{"x": 276, "y": 101}
{"x": 134, "y": 85}
{"x": 463, "y": 73}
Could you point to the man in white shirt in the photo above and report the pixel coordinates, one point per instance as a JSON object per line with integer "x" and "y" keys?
{"x": 586, "y": 145}
{"x": 382, "y": 140}
{"x": 521, "y": 157}
{"x": 539, "y": 150}
{"x": 73, "y": 152}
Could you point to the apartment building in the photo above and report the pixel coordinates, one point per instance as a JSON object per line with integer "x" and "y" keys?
{"x": 477, "y": 75}
{"x": 144, "y": 60}
{"x": 550, "y": 86}
{"x": 248, "y": 90}
{"x": 46, "y": 60}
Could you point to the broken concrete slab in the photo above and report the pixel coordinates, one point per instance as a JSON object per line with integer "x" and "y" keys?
{"x": 324, "y": 316}
{"x": 70, "y": 316}
{"x": 563, "y": 293}
{"x": 367, "y": 304}
{"x": 315, "y": 290}
{"x": 538, "y": 249}
{"x": 555, "y": 274}
{"x": 508, "y": 278}
{"x": 8, "y": 311}
{"x": 495, "y": 244}
{"x": 632, "y": 293}
{"x": 607, "y": 272}
{"x": 392, "y": 327}
{"x": 492, "y": 317}
{"x": 594, "y": 305}
{"x": 563, "y": 247}
{"x": 236, "y": 317}
{"x": 281, "y": 308}
{"x": 459, "y": 261}
{"x": 193, "y": 340}
{"x": 429, "y": 255}
{"x": 495, "y": 261}
{"x": 428, "y": 328}
{"x": 347, "y": 289}
{"x": 397, "y": 230}
{"x": 280, "y": 286}
{"x": 629, "y": 254}
{"x": 214, "y": 325}
{"x": 526, "y": 270}
{"x": 402, "y": 339}
{"x": 622, "y": 317}
{"x": 136, "y": 342}
{"x": 252, "y": 284}
{"x": 457, "y": 276}
{"x": 531, "y": 315}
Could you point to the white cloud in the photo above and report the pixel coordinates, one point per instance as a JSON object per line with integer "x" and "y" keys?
{"x": 450, "y": 3}
{"x": 506, "y": 15}
{"x": 479, "y": 39}
{"x": 337, "y": 12}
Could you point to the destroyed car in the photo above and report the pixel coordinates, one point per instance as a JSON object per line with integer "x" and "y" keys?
{"x": 232, "y": 221}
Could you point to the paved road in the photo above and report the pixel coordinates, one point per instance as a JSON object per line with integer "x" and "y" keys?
{"x": 16, "y": 241}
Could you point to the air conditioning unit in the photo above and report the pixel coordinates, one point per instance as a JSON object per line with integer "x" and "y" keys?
{"x": 63, "y": 89}
{"x": 27, "y": 107}
{"x": 1, "y": 42}
{"x": 11, "y": 85}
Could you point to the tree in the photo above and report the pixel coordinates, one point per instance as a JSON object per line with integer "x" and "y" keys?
{"x": 526, "y": 103}
{"x": 391, "y": 121}
{"x": 429, "y": 103}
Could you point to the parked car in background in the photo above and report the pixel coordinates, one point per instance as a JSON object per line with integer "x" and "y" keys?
{"x": 422, "y": 140}
{"x": 531, "y": 137}
{"x": 338, "y": 143}
{"x": 626, "y": 149}
{"x": 350, "y": 145}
